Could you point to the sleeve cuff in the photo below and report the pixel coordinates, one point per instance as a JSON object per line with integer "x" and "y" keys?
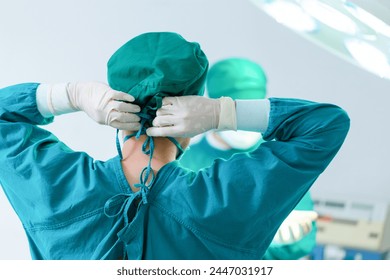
{"x": 52, "y": 100}
{"x": 253, "y": 115}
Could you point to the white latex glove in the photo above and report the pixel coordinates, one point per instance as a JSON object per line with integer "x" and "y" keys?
{"x": 103, "y": 104}
{"x": 296, "y": 226}
{"x": 187, "y": 116}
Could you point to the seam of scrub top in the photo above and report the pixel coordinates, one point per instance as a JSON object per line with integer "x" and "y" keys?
{"x": 120, "y": 175}
{"x": 159, "y": 183}
{"x": 270, "y": 127}
{"x": 65, "y": 223}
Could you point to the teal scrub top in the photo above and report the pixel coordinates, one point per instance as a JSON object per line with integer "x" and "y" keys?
{"x": 202, "y": 154}
{"x": 74, "y": 207}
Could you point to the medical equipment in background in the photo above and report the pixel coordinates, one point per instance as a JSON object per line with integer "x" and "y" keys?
{"x": 352, "y": 229}
{"x": 357, "y": 30}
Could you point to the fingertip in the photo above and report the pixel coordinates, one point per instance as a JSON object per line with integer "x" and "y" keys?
{"x": 151, "y": 132}
{"x": 135, "y": 127}
{"x": 123, "y": 96}
{"x": 132, "y": 98}
{"x": 156, "y": 122}
{"x": 167, "y": 100}
{"x": 136, "y": 118}
{"x": 128, "y": 97}
{"x": 314, "y": 215}
{"x": 135, "y": 108}
{"x": 148, "y": 132}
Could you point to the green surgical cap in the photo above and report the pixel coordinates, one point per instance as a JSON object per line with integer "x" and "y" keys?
{"x": 158, "y": 64}
{"x": 149, "y": 67}
{"x": 237, "y": 78}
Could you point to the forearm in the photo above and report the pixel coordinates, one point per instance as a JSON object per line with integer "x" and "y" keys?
{"x": 306, "y": 122}
{"x": 307, "y": 134}
{"x": 188, "y": 116}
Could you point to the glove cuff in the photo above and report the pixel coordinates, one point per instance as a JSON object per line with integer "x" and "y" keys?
{"x": 53, "y": 100}
{"x": 227, "y": 114}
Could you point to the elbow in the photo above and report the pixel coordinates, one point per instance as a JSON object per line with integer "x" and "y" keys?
{"x": 343, "y": 122}
{"x": 331, "y": 129}
{"x": 337, "y": 129}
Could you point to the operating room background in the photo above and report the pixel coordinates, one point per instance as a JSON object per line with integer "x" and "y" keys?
{"x": 58, "y": 41}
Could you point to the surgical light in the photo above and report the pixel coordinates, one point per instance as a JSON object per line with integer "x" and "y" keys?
{"x": 329, "y": 16}
{"x": 369, "y": 19}
{"x": 291, "y": 15}
{"x": 369, "y": 57}
{"x": 357, "y": 33}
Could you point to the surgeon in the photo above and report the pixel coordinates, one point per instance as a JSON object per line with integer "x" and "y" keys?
{"x": 141, "y": 204}
{"x": 241, "y": 78}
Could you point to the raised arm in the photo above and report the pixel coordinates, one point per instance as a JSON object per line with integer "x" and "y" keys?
{"x": 242, "y": 201}
{"x": 36, "y": 169}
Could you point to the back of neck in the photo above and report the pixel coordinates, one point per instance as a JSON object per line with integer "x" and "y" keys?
{"x": 134, "y": 160}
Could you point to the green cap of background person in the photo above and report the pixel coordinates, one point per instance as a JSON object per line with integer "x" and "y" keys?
{"x": 158, "y": 64}
{"x": 237, "y": 78}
